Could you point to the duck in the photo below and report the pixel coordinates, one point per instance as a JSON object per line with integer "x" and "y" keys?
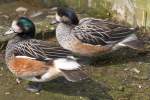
{"x": 91, "y": 36}
{"x": 36, "y": 60}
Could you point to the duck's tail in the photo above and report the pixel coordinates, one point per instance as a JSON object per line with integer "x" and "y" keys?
{"x": 132, "y": 42}
{"x": 70, "y": 69}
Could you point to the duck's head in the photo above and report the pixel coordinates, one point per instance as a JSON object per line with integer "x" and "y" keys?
{"x": 22, "y": 27}
{"x": 66, "y": 15}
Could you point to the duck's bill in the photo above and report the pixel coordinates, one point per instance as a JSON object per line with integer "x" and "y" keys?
{"x": 14, "y": 29}
{"x": 10, "y": 31}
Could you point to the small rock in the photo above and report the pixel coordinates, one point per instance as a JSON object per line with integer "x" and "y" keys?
{"x": 37, "y": 93}
{"x": 5, "y": 16}
{"x": 18, "y": 80}
{"x": 54, "y": 8}
{"x": 36, "y": 14}
{"x": 50, "y": 16}
{"x": 140, "y": 63}
{"x": 121, "y": 88}
{"x": 7, "y": 93}
{"x": 1, "y": 68}
{"x": 21, "y": 9}
{"x": 144, "y": 77}
{"x": 126, "y": 69}
{"x": 52, "y": 28}
{"x": 139, "y": 86}
{"x": 1, "y": 75}
{"x": 1, "y": 27}
{"x": 135, "y": 70}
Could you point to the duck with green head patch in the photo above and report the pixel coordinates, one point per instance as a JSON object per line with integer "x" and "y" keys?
{"x": 37, "y": 60}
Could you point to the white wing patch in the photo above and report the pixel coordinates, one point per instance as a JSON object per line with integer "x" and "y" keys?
{"x": 26, "y": 57}
{"x": 127, "y": 39}
{"x": 66, "y": 64}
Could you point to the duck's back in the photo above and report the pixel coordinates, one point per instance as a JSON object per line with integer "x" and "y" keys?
{"x": 101, "y": 32}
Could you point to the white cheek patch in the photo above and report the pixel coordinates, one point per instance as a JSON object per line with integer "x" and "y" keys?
{"x": 14, "y": 29}
{"x": 58, "y": 18}
{"x": 25, "y": 57}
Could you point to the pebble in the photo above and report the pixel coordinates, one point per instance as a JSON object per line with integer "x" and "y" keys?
{"x": 54, "y": 8}
{"x": 50, "y": 16}
{"x": 7, "y": 93}
{"x": 37, "y": 93}
{"x": 36, "y": 14}
{"x": 52, "y": 28}
{"x": 1, "y": 75}
{"x": 126, "y": 69}
{"x": 121, "y": 88}
{"x": 5, "y": 16}
{"x": 21, "y": 9}
{"x": 144, "y": 77}
{"x": 18, "y": 80}
{"x": 139, "y": 86}
{"x": 135, "y": 70}
{"x": 1, "y": 68}
{"x": 1, "y": 27}
{"x": 140, "y": 63}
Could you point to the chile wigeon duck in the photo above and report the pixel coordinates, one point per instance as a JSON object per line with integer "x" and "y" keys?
{"x": 90, "y": 36}
{"x": 36, "y": 60}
